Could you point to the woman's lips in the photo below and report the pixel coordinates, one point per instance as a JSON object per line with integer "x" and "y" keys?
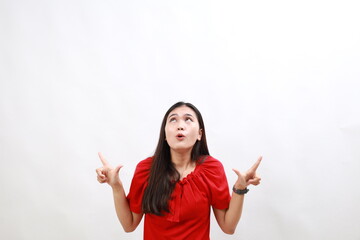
{"x": 180, "y": 137}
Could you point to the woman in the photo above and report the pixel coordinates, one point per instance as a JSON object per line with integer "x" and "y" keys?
{"x": 176, "y": 187}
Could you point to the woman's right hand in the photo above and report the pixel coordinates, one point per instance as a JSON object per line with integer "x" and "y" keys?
{"x": 108, "y": 174}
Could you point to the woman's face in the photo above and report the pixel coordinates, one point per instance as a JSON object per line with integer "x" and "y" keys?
{"x": 182, "y": 129}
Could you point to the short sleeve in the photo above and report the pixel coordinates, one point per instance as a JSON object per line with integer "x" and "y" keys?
{"x": 138, "y": 185}
{"x": 218, "y": 184}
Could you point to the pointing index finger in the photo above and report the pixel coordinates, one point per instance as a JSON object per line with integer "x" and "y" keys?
{"x": 256, "y": 165}
{"x": 103, "y": 160}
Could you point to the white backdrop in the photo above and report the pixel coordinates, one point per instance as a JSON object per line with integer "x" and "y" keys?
{"x": 272, "y": 78}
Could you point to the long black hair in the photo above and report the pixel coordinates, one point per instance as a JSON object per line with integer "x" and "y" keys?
{"x": 163, "y": 175}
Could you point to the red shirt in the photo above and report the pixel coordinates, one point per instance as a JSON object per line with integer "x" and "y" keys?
{"x": 189, "y": 216}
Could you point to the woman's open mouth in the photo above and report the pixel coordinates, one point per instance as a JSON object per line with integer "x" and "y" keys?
{"x": 180, "y": 137}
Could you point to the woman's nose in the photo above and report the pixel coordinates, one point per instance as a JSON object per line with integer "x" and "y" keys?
{"x": 180, "y": 128}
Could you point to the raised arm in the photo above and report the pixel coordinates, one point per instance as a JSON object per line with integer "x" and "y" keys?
{"x": 229, "y": 218}
{"x": 107, "y": 174}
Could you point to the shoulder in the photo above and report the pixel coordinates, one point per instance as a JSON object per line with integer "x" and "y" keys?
{"x": 211, "y": 164}
{"x": 143, "y": 167}
{"x": 146, "y": 163}
{"x": 210, "y": 161}
{"x": 213, "y": 172}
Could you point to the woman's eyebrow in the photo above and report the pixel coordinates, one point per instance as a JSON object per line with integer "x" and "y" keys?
{"x": 186, "y": 114}
{"x": 174, "y": 114}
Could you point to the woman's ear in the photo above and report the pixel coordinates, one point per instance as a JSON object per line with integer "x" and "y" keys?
{"x": 200, "y": 134}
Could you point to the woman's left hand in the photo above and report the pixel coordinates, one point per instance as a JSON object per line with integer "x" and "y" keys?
{"x": 250, "y": 177}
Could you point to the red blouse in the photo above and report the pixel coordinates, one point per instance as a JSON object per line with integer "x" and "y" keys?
{"x": 189, "y": 216}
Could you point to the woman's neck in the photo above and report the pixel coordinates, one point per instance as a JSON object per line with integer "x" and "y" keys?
{"x": 183, "y": 163}
{"x": 181, "y": 160}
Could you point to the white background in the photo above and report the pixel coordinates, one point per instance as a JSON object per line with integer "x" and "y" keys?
{"x": 272, "y": 78}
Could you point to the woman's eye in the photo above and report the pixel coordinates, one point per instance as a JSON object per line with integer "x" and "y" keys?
{"x": 172, "y": 120}
{"x": 189, "y": 119}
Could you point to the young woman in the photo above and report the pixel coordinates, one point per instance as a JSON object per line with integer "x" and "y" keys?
{"x": 176, "y": 187}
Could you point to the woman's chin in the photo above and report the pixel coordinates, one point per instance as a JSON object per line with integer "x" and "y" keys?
{"x": 181, "y": 149}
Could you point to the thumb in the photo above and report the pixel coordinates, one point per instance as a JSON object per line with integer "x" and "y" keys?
{"x": 117, "y": 169}
{"x": 236, "y": 171}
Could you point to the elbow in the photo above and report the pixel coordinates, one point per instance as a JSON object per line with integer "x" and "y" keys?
{"x": 229, "y": 231}
{"x": 129, "y": 229}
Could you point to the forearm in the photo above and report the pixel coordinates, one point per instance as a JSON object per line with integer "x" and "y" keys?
{"x": 122, "y": 208}
{"x": 233, "y": 213}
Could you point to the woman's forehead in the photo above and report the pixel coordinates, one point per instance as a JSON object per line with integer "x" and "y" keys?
{"x": 183, "y": 110}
